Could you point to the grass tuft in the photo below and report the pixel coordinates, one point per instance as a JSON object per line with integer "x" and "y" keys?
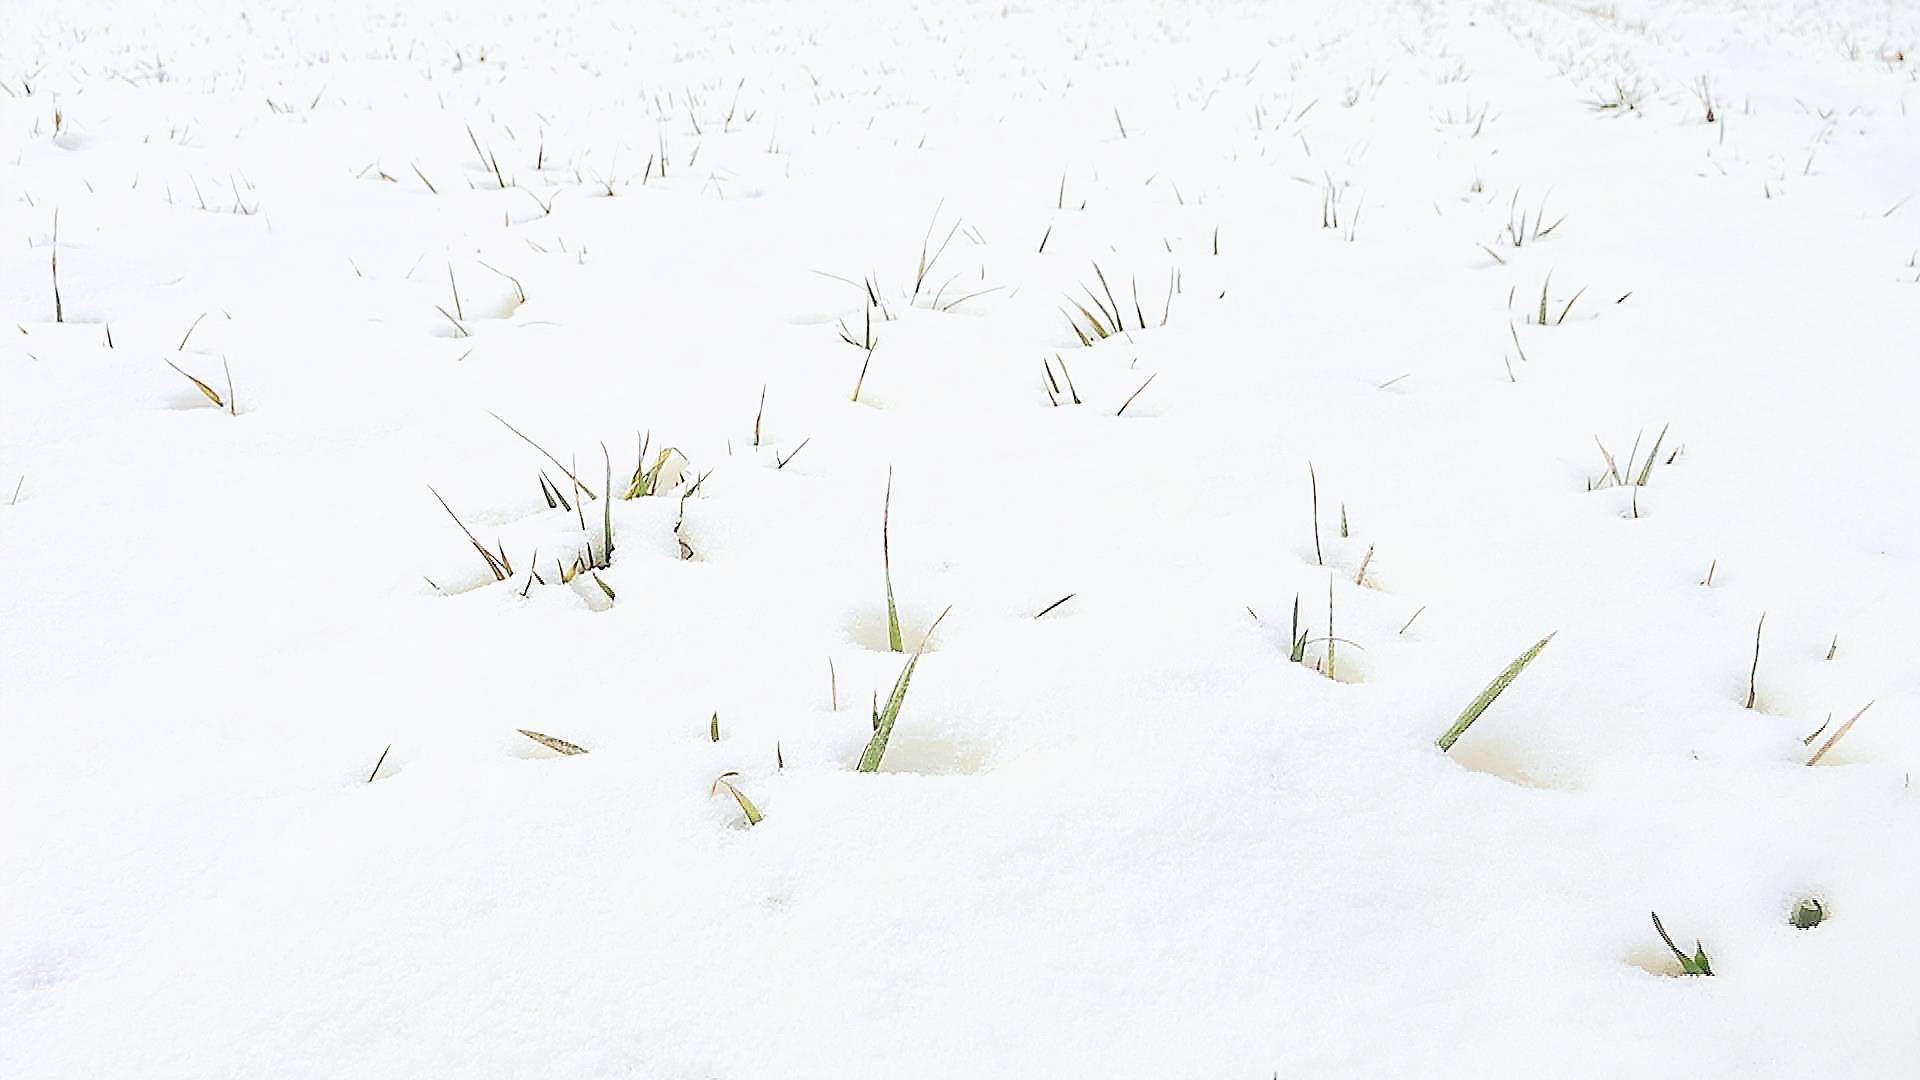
{"x": 1108, "y": 318}
{"x": 1808, "y": 913}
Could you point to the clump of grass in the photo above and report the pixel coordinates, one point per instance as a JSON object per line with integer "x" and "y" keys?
{"x": 1544, "y": 316}
{"x": 725, "y": 780}
{"x": 500, "y": 566}
{"x": 1753, "y": 673}
{"x": 1522, "y": 230}
{"x": 1108, "y": 317}
{"x": 885, "y": 718}
{"x": 1299, "y": 636}
{"x": 1053, "y": 386}
{"x": 924, "y": 269}
{"x": 1697, "y": 964}
{"x": 868, "y": 340}
{"x": 1624, "y": 96}
{"x": 1808, "y": 913}
{"x": 1617, "y": 476}
{"x": 1487, "y": 697}
{"x": 646, "y": 478}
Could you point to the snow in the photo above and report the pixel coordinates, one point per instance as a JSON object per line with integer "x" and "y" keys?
{"x": 1126, "y": 838}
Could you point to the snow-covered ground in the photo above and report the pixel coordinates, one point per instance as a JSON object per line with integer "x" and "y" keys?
{"x": 1130, "y": 837}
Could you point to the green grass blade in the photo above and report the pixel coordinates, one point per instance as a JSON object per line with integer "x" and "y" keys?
{"x": 1494, "y": 689}
{"x": 752, "y": 812}
{"x": 1697, "y": 964}
{"x": 606, "y": 520}
{"x": 1646, "y": 471}
{"x": 884, "y": 721}
{"x": 894, "y": 642}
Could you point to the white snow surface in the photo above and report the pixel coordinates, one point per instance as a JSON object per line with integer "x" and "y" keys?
{"x": 1128, "y": 838}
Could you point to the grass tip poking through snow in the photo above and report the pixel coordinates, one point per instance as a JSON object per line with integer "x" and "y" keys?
{"x": 725, "y": 780}
{"x": 1697, "y": 964}
{"x": 557, "y": 745}
{"x": 1486, "y": 697}
{"x": 884, "y": 718}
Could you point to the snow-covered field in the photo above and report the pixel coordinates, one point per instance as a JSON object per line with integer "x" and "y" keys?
{"x": 811, "y": 250}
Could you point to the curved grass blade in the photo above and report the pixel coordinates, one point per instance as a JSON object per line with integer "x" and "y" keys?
{"x": 725, "y": 780}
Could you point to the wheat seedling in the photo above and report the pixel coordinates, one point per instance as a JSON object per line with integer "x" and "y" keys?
{"x": 1486, "y": 697}
{"x": 1697, "y": 964}
{"x": 1143, "y": 389}
{"x": 886, "y": 566}
{"x": 558, "y": 746}
{"x": 1808, "y": 913}
{"x": 53, "y": 258}
{"x": 1053, "y": 605}
{"x": 1297, "y": 637}
{"x": 501, "y": 568}
{"x": 884, "y": 719}
{"x": 725, "y": 780}
{"x": 1313, "y": 481}
{"x": 1837, "y": 735}
{"x": 1520, "y": 231}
